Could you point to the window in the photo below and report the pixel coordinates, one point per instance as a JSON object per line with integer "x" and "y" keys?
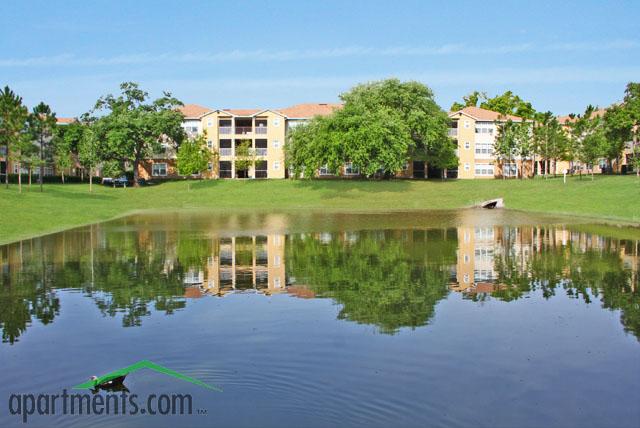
{"x": 276, "y": 144}
{"x": 276, "y": 165}
{"x": 210, "y": 144}
{"x": 484, "y": 149}
{"x": 225, "y": 169}
{"x": 159, "y": 169}
{"x": 466, "y": 123}
{"x": 324, "y": 170}
{"x": 276, "y": 261}
{"x": 261, "y": 169}
{"x": 510, "y": 170}
{"x": 484, "y": 169}
{"x": 467, "y": 145}
{"x": 276, "y": 121}
{"x": 467, "y": 167}
{"x": 349, "y": 169}
{"x": 210, "y": 166}
{"x": 209, "y": 123}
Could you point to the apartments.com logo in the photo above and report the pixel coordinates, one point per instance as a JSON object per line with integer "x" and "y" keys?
{"x": 116, "y": 401}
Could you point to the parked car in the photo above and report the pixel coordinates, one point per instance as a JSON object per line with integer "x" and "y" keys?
{"x": 122, "y": 181}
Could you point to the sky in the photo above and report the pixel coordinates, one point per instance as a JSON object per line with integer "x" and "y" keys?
{"x": 561, "y": 56}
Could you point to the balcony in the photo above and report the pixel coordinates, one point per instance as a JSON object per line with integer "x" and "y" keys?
{"x": 226, "y": 151}
{"x": 225, "y": 129}
{"x": 261, "y": 151}
{"x": 243, "y": 130}
{"x": 261, "y": 130}
{"x": 452, "y": 132}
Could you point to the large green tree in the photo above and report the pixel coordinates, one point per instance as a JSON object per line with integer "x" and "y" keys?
{"x": 470, "y": 100}
{"x": 550, "y": 141}
{"x": 132, "y": 128}
{"x": 13, "y": 115}
{"x": 381, "y": 126}
{"x": 194, "y": 156}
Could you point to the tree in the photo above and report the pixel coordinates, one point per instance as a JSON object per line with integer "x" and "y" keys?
{"x": 42, "y": 124}
{"x": 13, "y": 115}
{"x": 194, "y": 156}
{"x": 380, "y": 127}
{"x": 632, "y": 106}
{"x": 588, "y": 139}
{"x": 133, "y": 129}
{"x": 510, "y": 104}
{"x": 245, "y": 156}
{"x": 22, "y": 152}
{"x": 88, "y": 150}
{"x": 62, "y": 155}
{"x": 470, "y": 100}
{"x": 505, "y": 143}
{"x": 550, "y": 141}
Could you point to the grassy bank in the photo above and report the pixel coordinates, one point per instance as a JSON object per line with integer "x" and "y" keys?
{"x": 615, "y": 198}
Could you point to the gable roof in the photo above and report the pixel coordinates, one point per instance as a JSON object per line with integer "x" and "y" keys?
{"x": 65, "y": 120}
{"x": 193, "y": 111}
{"x": 308, "y": 110}
{"x": 242, "y": 112}
{"x": 485, "y": 115}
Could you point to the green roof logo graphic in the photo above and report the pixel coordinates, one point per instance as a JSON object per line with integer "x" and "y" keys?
{"x": 143, "y": 364}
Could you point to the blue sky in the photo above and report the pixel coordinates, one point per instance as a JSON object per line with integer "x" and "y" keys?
{"x": 232, "y": 54}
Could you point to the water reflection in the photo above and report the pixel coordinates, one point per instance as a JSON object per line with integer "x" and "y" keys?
{"x": 391, "y": 278}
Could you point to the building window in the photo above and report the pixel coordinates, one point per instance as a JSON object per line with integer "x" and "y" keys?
{"x": 349, "y": 169}
{"x": 466, "y": 123}
{"x": 467, "y": 145}
{"x": 324, "y": 170}
{"x": 210, "y": 144}
{"x": 276, "y": 121}
{"x": 484, "y": 149}
{"x": 159, "y": 169}
{"x": 510, "y": 170}
{"x": 276, "y": 165}
{"x": 484, "y": 169}
{"x": 209, "y": 123}
{"x": 466, "y": 167}
{"x": 210, "y": 166}
{"x": 276, "y": 144}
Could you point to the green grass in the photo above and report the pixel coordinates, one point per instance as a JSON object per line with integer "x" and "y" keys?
{"x": 612, "y": 198}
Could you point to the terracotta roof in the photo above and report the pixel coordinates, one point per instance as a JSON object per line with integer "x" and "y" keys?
{"x": 485, "y": 115}
{"x": 193, "y": 111}
{"x": 597, "y": 113}
{"x": 243, "y": 112}
{"x": 65, "y": 120}
{"x": 309, "y": 110}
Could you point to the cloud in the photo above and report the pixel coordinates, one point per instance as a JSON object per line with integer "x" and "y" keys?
{"x": 71, "y": 60}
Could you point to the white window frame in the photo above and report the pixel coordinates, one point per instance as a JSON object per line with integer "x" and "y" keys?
{"x": 324, "y": 170}
{"x": 467, "y": 167}
{"x": 276, "y": 121}
{"x": 276, "y": 144}
{"x": 467, "y": 145}
{"x": 153, "y": 169}
{"x": 349, "y": 169}
{"x": 484, "y": 170}
{"x": 276, "y": 165}
{"x": 510, "y": 169}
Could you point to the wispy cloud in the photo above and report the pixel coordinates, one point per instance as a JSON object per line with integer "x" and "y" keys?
{"x": 73, "y": 60}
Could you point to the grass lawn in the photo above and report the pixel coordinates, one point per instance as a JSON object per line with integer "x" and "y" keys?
{"x": 613, "y": 198}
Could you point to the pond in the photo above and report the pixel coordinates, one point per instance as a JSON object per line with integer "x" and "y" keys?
{"x": 467, "y": 318}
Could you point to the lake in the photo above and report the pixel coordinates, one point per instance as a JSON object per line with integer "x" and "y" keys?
{"x": 466, "y": 318}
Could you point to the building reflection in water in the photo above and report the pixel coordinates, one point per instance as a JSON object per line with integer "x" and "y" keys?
{"x": 391, "y": 278}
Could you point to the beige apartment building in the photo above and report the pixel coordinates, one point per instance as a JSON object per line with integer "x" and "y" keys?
{"x": 475, "y": 130}
{"x": 226, "y": 130}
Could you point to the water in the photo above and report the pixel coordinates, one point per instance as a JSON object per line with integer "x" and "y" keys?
{"x": 471, "y": 318}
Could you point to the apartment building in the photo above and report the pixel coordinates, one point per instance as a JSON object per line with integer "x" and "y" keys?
{"x": 226, "y": 130}
{"x": 7, "y": 165}
{"x": 475, "y": 130}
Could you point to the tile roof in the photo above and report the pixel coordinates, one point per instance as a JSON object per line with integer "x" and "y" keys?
{"x": 565, "y": 119}
{"x": 65, "y": 120}
{"x": 486, "y": 115}
{"x": 193, "y": 111}
{"x": 309, "y": 110}
{"x": 243, "y": 112}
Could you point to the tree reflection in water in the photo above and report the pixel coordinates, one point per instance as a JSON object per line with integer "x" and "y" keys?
{"x": 390, "y": 278}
